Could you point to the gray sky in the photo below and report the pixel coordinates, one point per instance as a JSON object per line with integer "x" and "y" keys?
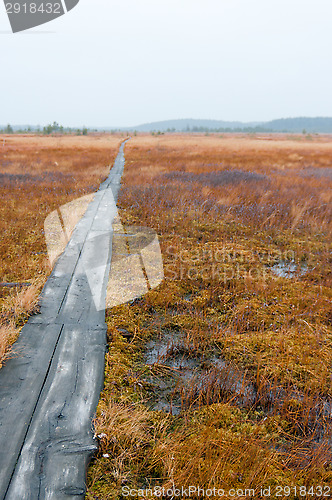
{"x": 126, "y": 62}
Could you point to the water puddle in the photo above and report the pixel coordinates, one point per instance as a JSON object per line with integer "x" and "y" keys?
{"x": 178, "y": 377}
{"x": 181, "y": 378}
{"x": 286, "y": 269}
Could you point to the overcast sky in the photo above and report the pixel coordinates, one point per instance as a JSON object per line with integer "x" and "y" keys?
{"x": 127, "y": 62}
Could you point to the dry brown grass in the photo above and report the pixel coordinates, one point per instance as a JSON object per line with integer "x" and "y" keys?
{"x": 228, "y": 211}
{"x": 39, "y": 174}
{"x": 8, "y": 335}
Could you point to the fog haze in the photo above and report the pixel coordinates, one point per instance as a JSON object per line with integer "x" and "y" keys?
{"x": 116, "y": 63}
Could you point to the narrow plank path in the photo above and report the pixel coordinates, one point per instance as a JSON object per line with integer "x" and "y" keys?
{"x": 50, "y": 390}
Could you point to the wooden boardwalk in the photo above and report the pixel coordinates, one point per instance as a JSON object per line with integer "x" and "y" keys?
{"x": 50, "y": 390}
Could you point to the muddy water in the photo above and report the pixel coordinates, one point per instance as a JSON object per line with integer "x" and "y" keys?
{"x": 285, "y": 269}
{"x": 180, "y": 378}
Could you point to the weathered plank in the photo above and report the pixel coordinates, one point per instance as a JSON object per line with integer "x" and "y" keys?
{"x": 21, "y": 382}
{"x": 50, "y": 389}
{"x": 59, "y": 442}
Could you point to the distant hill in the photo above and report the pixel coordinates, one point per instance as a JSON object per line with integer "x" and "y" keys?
{"x": 320, "y": 125}
{"x": 186, "y": 125}
{"x": 298, "y": 125}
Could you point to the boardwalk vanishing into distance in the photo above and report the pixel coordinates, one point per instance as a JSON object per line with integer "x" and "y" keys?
{"x": 49, "y": 391}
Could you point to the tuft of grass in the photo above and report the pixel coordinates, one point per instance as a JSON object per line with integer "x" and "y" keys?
{"x": 22, "y": 303}
{"x": 8, "y": 335}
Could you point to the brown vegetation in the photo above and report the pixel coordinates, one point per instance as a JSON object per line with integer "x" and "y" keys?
{"x": 37, "y": 175}
{"x": 238, "y": 395}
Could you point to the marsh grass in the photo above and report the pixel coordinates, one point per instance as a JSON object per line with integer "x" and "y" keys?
{"x": 37, "y": 175}
{"x": 8, "y": 335}
{"x": 227, "y": 210}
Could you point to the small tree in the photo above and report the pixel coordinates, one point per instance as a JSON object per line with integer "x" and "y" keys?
{"x": 9, "y": 129}
{"x": 48, "y": 129}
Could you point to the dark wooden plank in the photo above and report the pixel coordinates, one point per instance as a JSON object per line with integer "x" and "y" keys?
{"x": 50, "y": 390}
{"x": 59, "y": 442}
{"x": 21, "y": 382}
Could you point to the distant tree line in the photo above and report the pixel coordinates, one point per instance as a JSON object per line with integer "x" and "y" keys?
{"x": 285, "y": 125}
{"x": 247, "y": 130}
{"x": 322, "y": 125}
{"x": 196, "y": 129}
{"x": 50, "y": 129}
{"x": 7, "y": 130}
